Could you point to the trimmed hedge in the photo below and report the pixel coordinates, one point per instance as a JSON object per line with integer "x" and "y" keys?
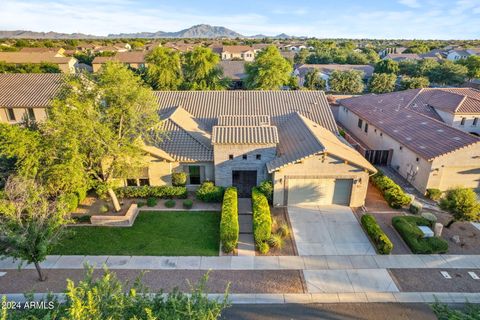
{"x": 434, "y": 194}
{"x": 393, "y": 194}
{"x": 170, "y": 203}
{"x": 415, "y": 207}
{"x": 179, "y": 179}
{"x": 379, "y": 238}
{"x": 229, "y": 226}
{"x": 209, "y": 192}
{"x": 188, "y": 204}
{"x": 262, "y": 220}
{"x": 162, "y": 192}
{"x": 266, "y": 187}
{"x": 407, "y": 227}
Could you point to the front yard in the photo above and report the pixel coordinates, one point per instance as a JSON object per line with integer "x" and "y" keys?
{"x": 154, "y": 233}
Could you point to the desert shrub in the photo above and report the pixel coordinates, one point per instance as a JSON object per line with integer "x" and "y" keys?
{"x": 379, "y": 238}
{"x": 69, "y": 200}
{"x": 266, "y": 187}
{"x": 263, "y": 247}
{"x": 179, "y": 179}
{"x": 262, "y": 220}
{"x": 275, "y": 241}
{"x": 161, "y": 192}
{"x": 392, "y": 192}
{"x": 170, "y": 203}
{"x": 434, "y": 194}
{"x": 187, "y": 204}
{"x": 104, "y": 208}
{"x": 283, "y": 230}
{"x": 407, "y": 227}
{"x": 209, "y": 192}
{"x": 152, "y": 201}
{"x": 416, "y": 207}
{"x": 229, "y": 227}
{"x": 462, "y": 203}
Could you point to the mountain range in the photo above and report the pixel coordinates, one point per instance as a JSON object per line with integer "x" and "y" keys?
{"x": 197, "y": 31}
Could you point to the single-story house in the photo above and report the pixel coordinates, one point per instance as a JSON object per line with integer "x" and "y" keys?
{"x": 241, "y": 138}
{"x": 134, "y": 59}
{"x": 57, "y": 52}
{"x": 407, "y": 131}
{"x": 65, "y": 64}
{"x": 459, "y": 54}
{"x": 235, "y": 71}
{"x": 245, "y": 53}
{"x": 326, "y": 69}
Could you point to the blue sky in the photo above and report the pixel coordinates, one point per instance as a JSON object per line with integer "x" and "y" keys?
{"x": 420, "y": 19}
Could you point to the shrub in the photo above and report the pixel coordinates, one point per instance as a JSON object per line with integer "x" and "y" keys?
{"x": 170, "y": 203}
{"x": 141, "y": 204}
{"x": 179, "y": 179}
{"x": 434, "y": 194}
{"x": 229, "y": 227}
{"x": 208, "y": 192}
{"x": 262, "y": 220}
{"x": 416, "y": 207}
{"x": 104, "y": 208}
{"x": 188, "y": 204}
{"x": 263, "y": 247}
{"x": 430, "y": 217}
{"x": 462, "y": 203}
{"x": 283, "y": 230}
{"x": 81, "y": 194}
{"x": 162, "y": 192}
{"x": 275, "y": 241}
{"x": 393, "y": 194}
{"x": 379, "y": 238}
{"x": 152, "y": 202}
{"x": 266, "y": 187}
{"x": 407, "y": 227}
{"x": 70, "y": 201}
{"x": 81, "y": 219}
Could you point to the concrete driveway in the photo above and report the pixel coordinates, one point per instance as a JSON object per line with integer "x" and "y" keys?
{"x": 328, "y": 230}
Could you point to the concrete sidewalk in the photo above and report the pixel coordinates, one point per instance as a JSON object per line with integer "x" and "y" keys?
{"x": 256, "y": 262}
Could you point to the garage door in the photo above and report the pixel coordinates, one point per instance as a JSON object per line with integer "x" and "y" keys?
{"x": 319, "y": 191}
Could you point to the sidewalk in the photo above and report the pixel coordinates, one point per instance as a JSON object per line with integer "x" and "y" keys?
{"x": 246, "y": 243}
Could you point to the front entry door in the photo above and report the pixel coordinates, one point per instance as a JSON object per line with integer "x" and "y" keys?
{"x": 244, "y": 181}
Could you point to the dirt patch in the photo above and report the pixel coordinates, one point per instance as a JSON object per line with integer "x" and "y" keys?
{"x": 241, "y": 281}
{"x": 469, "y": 235}
{"x": 288, "y": 249}
{"x": 374, "y": 200}
{"x": 431, "y": 280}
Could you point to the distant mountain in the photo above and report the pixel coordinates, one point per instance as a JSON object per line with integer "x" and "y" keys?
{"x": 198, "y": 31}
{"x": 24, "y": 34}
{"x": 282, "y": 36}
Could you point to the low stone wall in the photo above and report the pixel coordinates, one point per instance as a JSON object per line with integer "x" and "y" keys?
{"x": 116, "y": 221}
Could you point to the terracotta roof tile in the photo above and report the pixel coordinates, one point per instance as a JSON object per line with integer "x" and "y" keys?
{"x": 245, "y": 135}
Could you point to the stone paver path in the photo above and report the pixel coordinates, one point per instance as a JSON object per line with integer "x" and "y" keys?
{"x": 328, "y": 230}
{"x": 246, "y": 243}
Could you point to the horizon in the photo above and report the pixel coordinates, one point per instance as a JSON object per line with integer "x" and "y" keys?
{"x": 419, "y": 19}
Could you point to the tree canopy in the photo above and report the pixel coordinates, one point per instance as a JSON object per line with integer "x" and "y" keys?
{"x": 313, "y": 80}
{"x": 164, "y": 70}
{"x": 448, "y": 73}
{"x": 349, "y": 81}
{"x": 201, "y": 71}
{"x": 387, "y": 66}
{"x": 382, "y": 82}
{"x": 414, "y": 83}
{"x": 472, "y": 63}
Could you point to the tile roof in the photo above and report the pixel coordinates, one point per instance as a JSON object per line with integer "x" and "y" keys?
{"x": 234, "y": 70}
{"x": 125, "y": 57}
{"x": 329, "y": 68}
{"x": 302, "y": 138}
{"x": 207, "y": 106}
{"x": 402, "y": 56}
{"x": 236, "y": 49}
{"x": 243, "y": 120}
{"x": 33, "y": 57}
{"x": 245, "y": 135}
{"x": 29, "y": 89}
{"x": 452, "y": 100}
{"x": 396, "y": 115}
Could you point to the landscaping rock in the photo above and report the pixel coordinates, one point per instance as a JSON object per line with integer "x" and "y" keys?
{"x": 437, "y": 230}
{"x": 456, "y": 239}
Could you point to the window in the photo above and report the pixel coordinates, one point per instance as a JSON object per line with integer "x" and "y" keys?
{"x": 475, "y": 122}
{"x": 31, "y": 114}
{"x": 258, "y": 157}
{"x": 462, "y": 122}
{"x": 360, "y": 123}
{"x": 418, "y": 159}
{"x": 230, "y": 156}
{"x": 244, "y": 157}
{"x": 144, "y": 182}
{"x": 132, "y": 182}
{"x": 11, "y": 114}
{"x": 366, "y": 127}
{"x": 194, "y": 174}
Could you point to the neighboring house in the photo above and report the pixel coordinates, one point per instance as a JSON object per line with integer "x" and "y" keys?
{"x": 326, "y": 69}
{"x": 402, "y": 56}
{"x": 455, "y": 55}
{"x": 65, "y": 64}
{"x": 25, "y": 95}
{"x": 289, "y": 55}
{"x": 57, "y": 52}
{"x": 181, "y": 46}
{"x": 134, "y": 59}
{"x": 241, "y": 138}
{"x": 405, "y": 130}
{"x": 391, "y": 50}
{"x": 245, "y": 53}
{"x": 235, "y": 71}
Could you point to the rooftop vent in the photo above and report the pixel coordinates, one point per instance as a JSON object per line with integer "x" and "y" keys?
{"x": 422, "y": 147}
{"x": 424, "y": 122}
{"x": 457, "y": 138}
{"x": 395, "y": 130}
{"x": 439, "y": 130}
{"x": 409, "y": 139}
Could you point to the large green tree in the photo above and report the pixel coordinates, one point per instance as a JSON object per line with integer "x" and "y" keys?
{"x": 473, "y": 65}
{"x": 269, "y": 71}
{"x": 313, "y": 81}
{"x": 30, "y": 223}
{"x": 382, "y": 82}
{"x": 448, "y": 73}
{"x": 414, "y": 83}
{"x": 387, "y": 66}
{"x": 110, "y": 115}
{"x": 201, "y": 71}
{"x": 164, "y": 71}
{"x": 349, "y": 81}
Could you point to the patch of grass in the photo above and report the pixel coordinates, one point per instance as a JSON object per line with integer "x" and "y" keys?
{"x": 154, "y": 233}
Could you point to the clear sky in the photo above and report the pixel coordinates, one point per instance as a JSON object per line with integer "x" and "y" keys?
{"x": 420, "y": 19}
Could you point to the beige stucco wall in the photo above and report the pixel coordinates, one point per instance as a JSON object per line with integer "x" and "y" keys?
{"x": 246, "y": 56}
{"x": 456, "y": 120}
{"x": 322, "y": 167}
{"x": 20, "y": 113}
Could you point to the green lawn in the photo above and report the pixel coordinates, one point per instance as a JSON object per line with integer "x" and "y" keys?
{"x": 154, "y": 233}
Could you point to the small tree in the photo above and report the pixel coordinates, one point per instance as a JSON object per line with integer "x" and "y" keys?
{"x": 473, "y": 65}
{"x": 349, "y": 81}
{"x": 30, "y": 224}
{"x": 462, "y": 203}
{"x": 387, "y": 66}
{"x": 269, "y": 71}
{"x": 414, "y": 83}
{"x": 448, "y": 73}
{"x": 313, "y": 81}
{"x": 382, "y": 83}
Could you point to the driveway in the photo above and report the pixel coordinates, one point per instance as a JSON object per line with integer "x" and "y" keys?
{"x": 328, "y": 230}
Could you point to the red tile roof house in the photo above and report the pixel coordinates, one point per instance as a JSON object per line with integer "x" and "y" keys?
{"x": 65, "y": 64}
{"x": 413, "y": 132}
{"x": 134, "y": 59}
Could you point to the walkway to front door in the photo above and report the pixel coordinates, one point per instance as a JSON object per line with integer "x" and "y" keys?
{"x": 246, "y": 243}
{"x": 244, "y": 181}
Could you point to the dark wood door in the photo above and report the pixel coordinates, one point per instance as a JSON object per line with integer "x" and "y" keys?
{"x": 244, "y": 181}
